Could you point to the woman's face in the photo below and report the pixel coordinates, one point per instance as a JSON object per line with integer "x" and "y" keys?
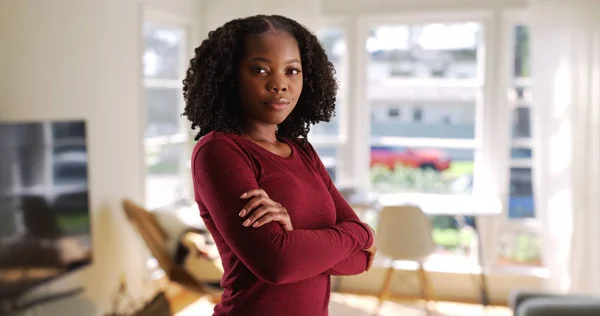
{"x": 270, "y": 77}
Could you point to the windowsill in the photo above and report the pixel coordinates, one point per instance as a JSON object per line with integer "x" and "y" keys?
{"x": 458, "y": 264}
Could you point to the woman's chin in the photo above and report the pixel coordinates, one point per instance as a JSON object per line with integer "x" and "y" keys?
{"x": 276, "y": 120}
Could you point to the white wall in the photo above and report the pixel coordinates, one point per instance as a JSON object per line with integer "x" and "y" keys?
{"x": 218, "y": 12}
{"x": 72, "y": 59}
{"x": 362, "y": 7}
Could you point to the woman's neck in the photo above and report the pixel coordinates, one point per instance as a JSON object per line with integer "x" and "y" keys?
{"x": 261, "y": 133}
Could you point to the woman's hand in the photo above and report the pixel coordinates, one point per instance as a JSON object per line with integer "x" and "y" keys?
{"x": 269, "y": 210}
{"x": 371, "y": 251}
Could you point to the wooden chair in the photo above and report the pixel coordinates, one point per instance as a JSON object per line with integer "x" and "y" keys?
{"x": 155, "y": 239}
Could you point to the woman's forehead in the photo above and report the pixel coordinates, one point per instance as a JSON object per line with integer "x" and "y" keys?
{"x": 271, "y": 43}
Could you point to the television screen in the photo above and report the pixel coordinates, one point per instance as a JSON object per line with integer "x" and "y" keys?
{"x": 44, "y": 206}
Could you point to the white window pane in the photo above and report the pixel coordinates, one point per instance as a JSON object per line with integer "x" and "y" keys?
{"x": 522, "y": 64}
{"x": 416, "y": 80}
{"x": 520, "y": 153}
{"x": 424, "y": 118}
{"x": 520, "y": 248}
{"x": 521, "y": 122}
{"x": 334, "y": 43}
{"x": 162, "y": 53}
{"x": 521, "y": 203}
{"x": 163, "y": 111}
{"x": 421, "y": 170}
{"x": 165, "y": 183}
{"x": 424, "y": 51}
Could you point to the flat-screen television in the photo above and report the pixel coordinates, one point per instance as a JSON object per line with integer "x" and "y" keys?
{"x": 44, "y": 206}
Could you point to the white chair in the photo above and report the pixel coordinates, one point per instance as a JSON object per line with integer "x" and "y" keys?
{"x": 404, "y": 233}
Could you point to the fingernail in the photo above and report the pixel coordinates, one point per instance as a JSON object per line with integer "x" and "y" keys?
{"x": 255, "y": 224}
{"x": 242, "y": 213}
{"x": 243, "y": 195}
{"x": 247, "y": 222}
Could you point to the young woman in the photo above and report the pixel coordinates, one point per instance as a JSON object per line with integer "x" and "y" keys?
{"x": 254, "y": 88}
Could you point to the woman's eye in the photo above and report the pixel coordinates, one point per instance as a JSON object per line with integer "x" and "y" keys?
{"x": 259, "y": 70}
{"x": 294, "y": 71}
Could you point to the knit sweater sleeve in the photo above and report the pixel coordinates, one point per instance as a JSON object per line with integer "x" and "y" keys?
{"x": 356, "y": 262}
{"x": 222, "y": 172}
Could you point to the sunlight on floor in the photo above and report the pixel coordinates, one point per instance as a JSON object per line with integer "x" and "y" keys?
{"x": 356, "y": 305}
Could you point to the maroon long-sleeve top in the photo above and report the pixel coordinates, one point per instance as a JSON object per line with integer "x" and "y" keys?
{"x": 269, "y": 271}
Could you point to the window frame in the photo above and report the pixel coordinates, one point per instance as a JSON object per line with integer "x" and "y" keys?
{"x": 183, "y": 137}
{"x": 484, "y": 19}
{"x": 335, "y": 141}
{"x": 355, "y": 158}
{"x": 510, "y": 19}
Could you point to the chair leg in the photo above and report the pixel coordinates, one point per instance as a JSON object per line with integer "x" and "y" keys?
{"x": 387, "y": 282}
{"x": 424, "y": 287}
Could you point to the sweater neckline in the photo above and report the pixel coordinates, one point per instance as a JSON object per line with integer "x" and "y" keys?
{"x": 268, "y": 152}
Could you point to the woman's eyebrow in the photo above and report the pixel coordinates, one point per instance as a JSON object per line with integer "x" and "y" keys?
{"x": 267, "y": 60}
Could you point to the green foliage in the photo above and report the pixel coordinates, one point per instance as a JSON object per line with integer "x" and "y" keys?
{"x": 450, "y": 239}
{"x": 526, "y": 248}
{"x": 409, "y": 180}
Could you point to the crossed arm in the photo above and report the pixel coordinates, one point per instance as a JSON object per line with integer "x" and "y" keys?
{"x": 274, "y": 255}
{"x": 358, "y": 261}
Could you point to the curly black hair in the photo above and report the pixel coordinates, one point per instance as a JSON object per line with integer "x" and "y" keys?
{"x": 212, "y": 100}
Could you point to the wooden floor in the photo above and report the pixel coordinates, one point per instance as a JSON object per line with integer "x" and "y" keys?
{"x": 190, "y": 304}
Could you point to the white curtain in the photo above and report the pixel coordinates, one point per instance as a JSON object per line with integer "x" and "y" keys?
{"x": 565, "y": 41}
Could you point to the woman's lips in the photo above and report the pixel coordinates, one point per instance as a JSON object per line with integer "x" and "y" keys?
{"x": 279, "y": 104}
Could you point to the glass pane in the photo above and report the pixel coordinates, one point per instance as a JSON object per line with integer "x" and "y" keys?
{"x": 164, "y": 181}
{"x": 163, "y": 111}
{"x": 421, "y": 170}
{"x": 61, "y": 130}
{"x": 405, "y": 101}
{"x": 334, "y": 43}
{"x": 520, "y": 153}
{"x": 520, "y": 248}
{"x": 522, "y": 65}
{"x": 434, "y": 50}
{"x": 427, "y": 118}
{"x": 521, "y": 203}
{"x": 162, "y": 54}
{"x": 451, "y": 236}
{"x": 328, "y": 155}
{"x": 521, "y": 122}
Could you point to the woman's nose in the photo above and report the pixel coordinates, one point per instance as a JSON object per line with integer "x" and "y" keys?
{"x": 278, "y": 85}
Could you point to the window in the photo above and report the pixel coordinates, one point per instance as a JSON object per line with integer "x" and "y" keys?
{"x": 69, "y": 153}
{"x": 417, "y": 115}
{"x": 328, "y": 136}
{"x": 166, "y": 139}
{"x": 393, "y": 112}
{"x": 519, "y": 242}
{"x": 434, "y": 69}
